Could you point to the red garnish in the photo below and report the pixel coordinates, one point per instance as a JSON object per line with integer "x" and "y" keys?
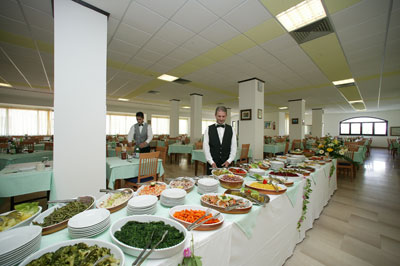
{"x": 265, "y": 181}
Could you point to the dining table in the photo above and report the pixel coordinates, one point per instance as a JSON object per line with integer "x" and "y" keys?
{"x": 198, "y": 156}
{"x": 264, "y": 236}
{"x": 24, "y": 178}
{"x": 36, "y": 156}
{"x": 116, "y": 168}
{"x": 274, "y": 148}
{"x": 178, "y": 148}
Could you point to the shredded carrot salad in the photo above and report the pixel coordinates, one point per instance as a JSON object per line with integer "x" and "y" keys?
{"x": 192, "y": 215}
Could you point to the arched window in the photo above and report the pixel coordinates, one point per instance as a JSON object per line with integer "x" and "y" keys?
{"x": 363, "y": 125}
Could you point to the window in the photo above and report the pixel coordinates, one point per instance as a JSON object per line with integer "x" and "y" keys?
{"x": 369, "y": 126}
{"x": 205, "y": 124}
{"x": 183, "y": 125}
{"x": 119, "y": 124}
{"x": 160, "y": 124}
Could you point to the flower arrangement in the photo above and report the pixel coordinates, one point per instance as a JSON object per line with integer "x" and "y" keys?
{"x": 332, "y": 147}
{"x": 306, "y": 197}
{"x": 189, "y": 259}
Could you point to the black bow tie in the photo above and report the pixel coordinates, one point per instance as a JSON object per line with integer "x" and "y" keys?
{"x": 223, "y": 126}
{"x": 140, "y": 125}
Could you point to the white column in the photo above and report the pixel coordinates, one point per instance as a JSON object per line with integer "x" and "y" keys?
{"x": 317, "y": 129}
{"x": 174, "y": 118}
{"x": 228, "y": 116}
{"x": 148, "y": 117}
{"x": 296, "y": 118}
{"x": 281, "y": 123}
{"x": 196, "y": 107}
{"x": 80, "y": 51}
{"x": 251, "y": 97}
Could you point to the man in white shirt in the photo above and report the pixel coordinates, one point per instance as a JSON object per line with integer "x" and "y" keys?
{"x": 141, "y": 132}
{"x": 219, "y": 143}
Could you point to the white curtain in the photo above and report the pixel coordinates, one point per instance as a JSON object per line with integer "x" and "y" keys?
{"x": 183, "y": 125}
{"x": 160, "y": 125}
{"x": 119, "y": 124}
{"x": 205, "y": 124}
{"x": 3, "y": 122}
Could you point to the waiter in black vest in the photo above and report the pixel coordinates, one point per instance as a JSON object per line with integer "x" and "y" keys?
{"x": 142, "y": 134}
{"x": 219, "y": 143}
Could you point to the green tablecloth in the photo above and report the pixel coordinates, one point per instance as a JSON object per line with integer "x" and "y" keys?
{"x": 275, "y": 148}
{"x": 14, "y": 184}
{"x": 180, "y": 148}
{"x": 198, "y": 155}
{"x": 359, "y": 156}
{"x": 39, "y": 147}
{"x": 122, "y": 169}
{"x": 36, "y": 156}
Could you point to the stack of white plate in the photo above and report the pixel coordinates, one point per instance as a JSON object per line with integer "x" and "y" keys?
{"x": 258, "y": 171}
{"x": 276, "y": 165}
{"x": 173, "y": 197}
{"x": 89, "y": 223}
{"x": 207, "y": 185}
{"x": 16, "y": 244}
{"x": 144, "y": 204}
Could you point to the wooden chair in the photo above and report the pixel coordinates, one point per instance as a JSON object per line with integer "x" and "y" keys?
{"x": 3, "y": 147}
{"x": 353, "y": 147}
{"x": 394, "y": 148}
{"x": 198, "y": 145}
{"x": 29, "y": 144}
{"x": 244, "y": 154}
{"x": 296, "y": 144}
{"x": 286, "y": 147}
{"x": 118, "y": 151}
{"x": 48, "y": 146}
{"x": 388, "y": 143}
{"x": 347, "y": 166}
{"x": 162, "y": 156}
{"x": 130, "y": 150}
{"x": 148, "y": 163}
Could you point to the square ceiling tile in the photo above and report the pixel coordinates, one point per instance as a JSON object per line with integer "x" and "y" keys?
{"x": 174, "y": 33}
{"x": 143, "y": 18}
{"x": 221, "y": 7}
{"x": 43, "y": 5}
{"x": 116, "y": 10}
{"x": 132, "y": 35}
{"x": 111, "y": 27}
{"x": 238, "y": 44}
{"x": 40, "y": 19}
{"x": 148, "y": 55}
{"x": 182, "y": 54}
{"x": 14, "y": 26}
{"x": 247, "y": 15}
{"x": 198, "y": 45}
{"x": 43, "y": 35}
{"x": 123, "y": 47}
{"x": 164, "y": 8}
{"x": 117, "y": 56}
{"x": 140, "y": 62}
{"x": 280, "y": 43}
{"x": 194, "y": 16}
{"x": 10, "y": 9}
{"x": 219, "y": 32}
{"x": 160, "y": 46}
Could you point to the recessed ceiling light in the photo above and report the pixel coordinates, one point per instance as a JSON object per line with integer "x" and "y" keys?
{"x": 283, "y": 107}
{"x": 342, "y": 82}
{"x": 358, "y": 101}
{"x": 123, "y": 99}
{"x": 167, "y": 77}
{"x": 5, "y": 85}
{"x": 186, "y": 107}
{"x": 301, "y": 14}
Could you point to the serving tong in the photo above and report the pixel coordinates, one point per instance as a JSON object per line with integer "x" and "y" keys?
{"x": 194, "y": 225}
{"x": 141, "y": 260}
{"x": 113, "y": 191}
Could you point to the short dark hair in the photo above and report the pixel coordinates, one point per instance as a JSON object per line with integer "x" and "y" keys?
{"x": 221, "y": 108}
{"x": 140, "y": 114}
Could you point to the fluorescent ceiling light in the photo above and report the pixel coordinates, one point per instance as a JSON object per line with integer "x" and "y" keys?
{"x": 123, "y": 99}
{"x": 186, "y": 107}
{"x": 167, "y": 77}
{"x": 283, "y": 107}
{"x": 5, "y": 85}
{"x": 358, "y": 101}
{"x": 301, "y": 14}
{"x": 342, "y": 82}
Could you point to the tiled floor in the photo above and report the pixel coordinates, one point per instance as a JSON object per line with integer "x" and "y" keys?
{"x": 359, "y": 226}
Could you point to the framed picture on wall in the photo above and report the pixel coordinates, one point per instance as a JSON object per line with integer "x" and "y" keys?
{"x": 394, "y": 131}
{"x": 245, "y": 114}
{"x": 259, "y": 113}
{"x": 295, "y": 121}
{"x": 267, "y": 124}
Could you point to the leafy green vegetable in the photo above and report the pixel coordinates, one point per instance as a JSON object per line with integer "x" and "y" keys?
{"x": 137, "y": 234}
{"x": 78, "y": 254}
{"x": 28, "y": 208}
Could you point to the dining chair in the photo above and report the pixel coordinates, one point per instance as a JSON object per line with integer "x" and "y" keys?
{"x": 118, "y": 151}
{"x": 296, "y": 144}
{"x": 198, "y": 145}
{"x": 162, "y": 156}
{"x": 244, "y": 154}
{"x": 353, "y": 147}
{"x": 48, "y": 146}
{"x": 148, "y": 164}
{"x": 286, "y": 147}
{"x": 29, "y": 144}
{"x": 394, "y": 148}
{"x": 347, "y": 166}
{"x": 130, "y": 150}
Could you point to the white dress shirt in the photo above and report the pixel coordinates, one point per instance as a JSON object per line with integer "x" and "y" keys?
{"x": 206, "y": 145}
{"x": 149, "y": 133}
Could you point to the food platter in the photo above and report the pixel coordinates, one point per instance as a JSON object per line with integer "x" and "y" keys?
{"x": 247, "y": 193}
{"x": 220, "y": 171}
{"x": 238, "y": 171}
{"x": 90, "y": 200}
{"x": 205, "y": 201}
{"x": 186, "y": 183}
{"x": 231, "y": 181}
{"x": 23, "y": 222}
{"x": 271, "y": 191}
{"x": 203, "y": 227}
{"x": 151, "y": 189}
{"x": 114, "y": 250}
{"x": 117, "y": 200}
{"x": 159, "y": 253}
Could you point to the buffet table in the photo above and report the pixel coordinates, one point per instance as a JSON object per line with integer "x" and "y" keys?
{"x": 198, "y": 156}
{"x": 116, "y": 168}
{"x": 275, "y": 148}
{"x": 267, "y": 236}
{"x": 36, "y": 156}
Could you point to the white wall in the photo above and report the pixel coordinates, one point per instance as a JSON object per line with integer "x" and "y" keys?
{"x": 332, "y": 123}
{"x": 273, "y": 117}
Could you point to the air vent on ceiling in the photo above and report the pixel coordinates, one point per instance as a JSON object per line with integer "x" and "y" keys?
{"x": 182, "y": 81}
{"x": 153, "y": 92}
{"x": 312, "y": 31}
{"x": 345, "y": 85}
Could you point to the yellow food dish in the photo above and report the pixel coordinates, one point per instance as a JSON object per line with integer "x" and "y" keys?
{"x": 263, "y": 186}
